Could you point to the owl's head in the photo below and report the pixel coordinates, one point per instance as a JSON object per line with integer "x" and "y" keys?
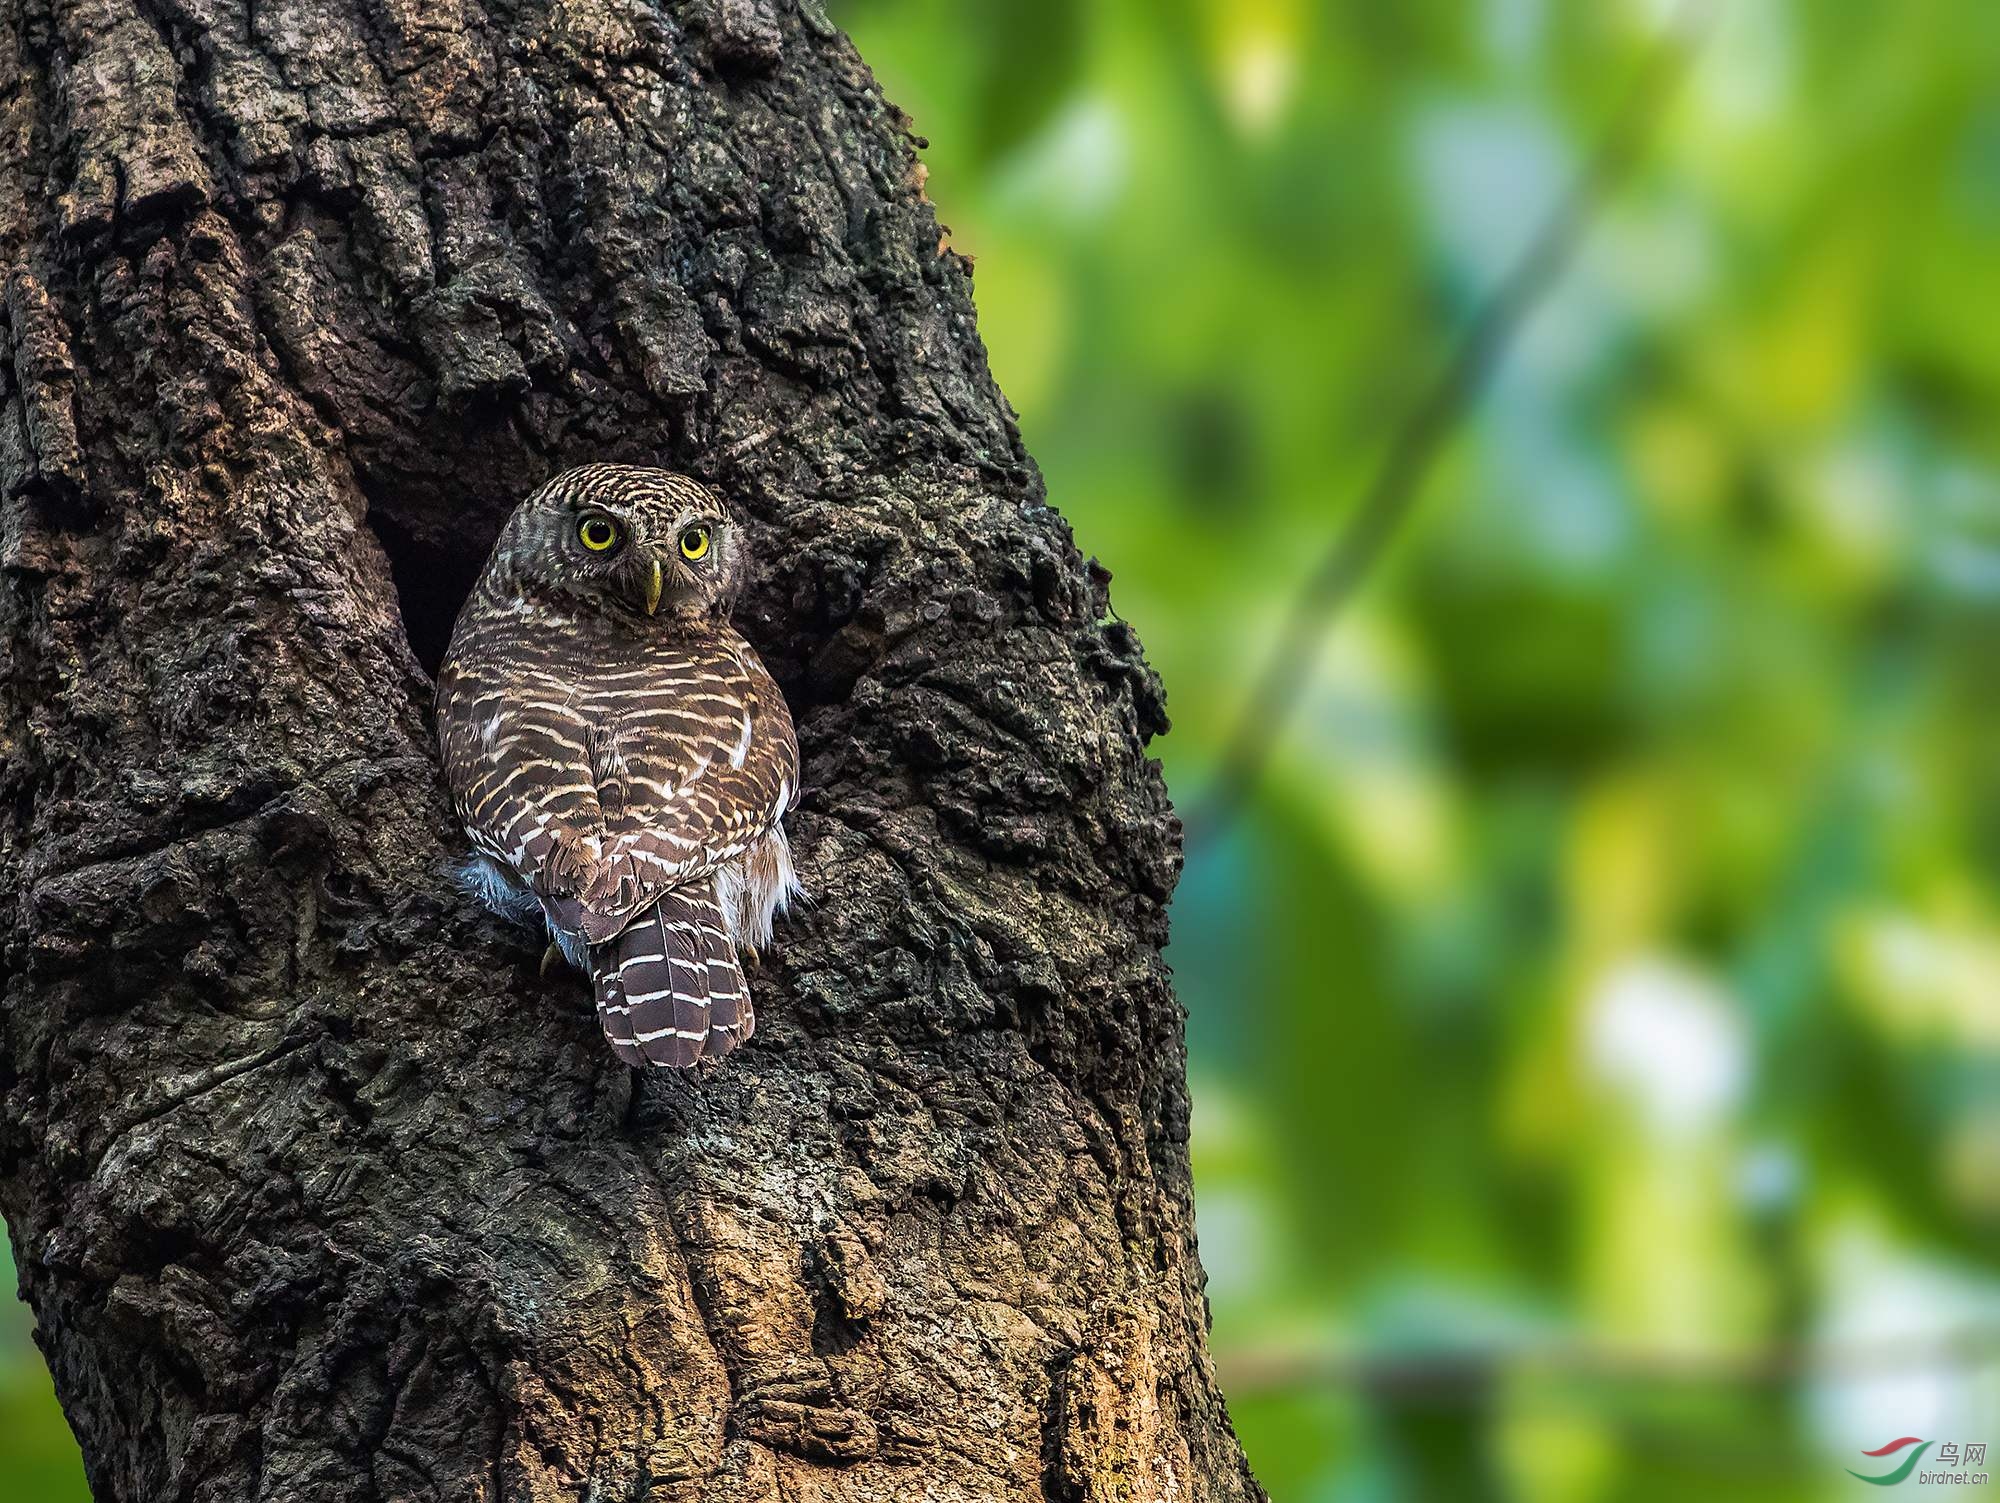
{"x": 634, "y": 539}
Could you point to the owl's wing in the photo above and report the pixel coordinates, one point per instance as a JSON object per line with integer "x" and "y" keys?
{"x": 517, "y": 760}
{"x": 688, "y": 777}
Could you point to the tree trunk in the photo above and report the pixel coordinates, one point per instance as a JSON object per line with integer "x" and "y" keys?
{"x": 317, "y": 1190}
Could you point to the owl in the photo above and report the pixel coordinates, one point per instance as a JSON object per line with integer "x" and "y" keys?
{"x": 621, "y": 759}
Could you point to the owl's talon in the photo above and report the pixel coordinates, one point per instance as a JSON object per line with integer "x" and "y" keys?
{"x": 551, "y": 958}
{"x": 755, "y": 958}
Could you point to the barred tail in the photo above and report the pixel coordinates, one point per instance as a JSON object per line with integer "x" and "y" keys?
{"x": 669, "y": 990}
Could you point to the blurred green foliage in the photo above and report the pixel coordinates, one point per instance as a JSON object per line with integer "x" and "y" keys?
{"x": 1597, "y": 1004}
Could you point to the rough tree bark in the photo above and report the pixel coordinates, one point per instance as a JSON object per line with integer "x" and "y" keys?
{"x": 317, "y": 1191}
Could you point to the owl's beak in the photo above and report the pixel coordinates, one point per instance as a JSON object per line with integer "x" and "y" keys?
{"x": 655, "y": 582}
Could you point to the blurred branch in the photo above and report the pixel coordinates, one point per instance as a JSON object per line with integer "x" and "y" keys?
{"x": 1465, "y": 1375}
{"x": 1398, "y": 484}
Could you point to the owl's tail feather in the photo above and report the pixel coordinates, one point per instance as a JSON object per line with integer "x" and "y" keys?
{"x": 669, "y": 990}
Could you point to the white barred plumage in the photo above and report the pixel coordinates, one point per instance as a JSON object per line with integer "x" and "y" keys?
{"x": 621, "y": 759}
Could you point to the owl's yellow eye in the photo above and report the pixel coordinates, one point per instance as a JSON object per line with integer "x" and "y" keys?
{"x": 598, "y": 534}
{"x": 694, "y": 544}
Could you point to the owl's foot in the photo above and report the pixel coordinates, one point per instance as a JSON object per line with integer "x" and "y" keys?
{"x": 551, "y": 958}
{"x": 755, "y": 958}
